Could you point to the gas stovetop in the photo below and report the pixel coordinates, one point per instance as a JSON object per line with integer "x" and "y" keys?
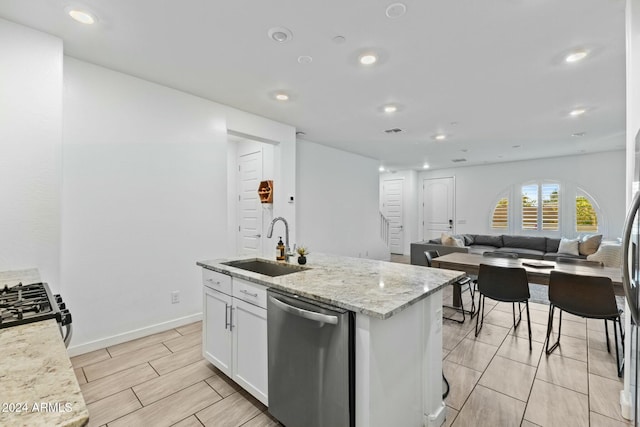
{"x": 23, "y": 304}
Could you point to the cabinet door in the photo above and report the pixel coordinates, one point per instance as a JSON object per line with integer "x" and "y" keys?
{"x": 217, "y": 335}
{"x": 250, "y": 348}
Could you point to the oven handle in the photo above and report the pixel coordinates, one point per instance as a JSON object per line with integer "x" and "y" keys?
{"x": 301, "y": 312}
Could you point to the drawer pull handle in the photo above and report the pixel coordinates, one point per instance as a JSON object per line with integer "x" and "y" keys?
{"x": 213, "y": 281}
{"x": 244, "y": 291}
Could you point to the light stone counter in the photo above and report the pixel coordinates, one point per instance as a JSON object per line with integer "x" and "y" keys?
{"x": 378, "y": 289}
{"x": 37, "y": 384}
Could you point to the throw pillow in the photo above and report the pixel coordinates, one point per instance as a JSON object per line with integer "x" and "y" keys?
{"x": 589, "y": 244}
{"x": 568, "y": 246}
{"x": 449, "y": 240}
{"x": 609, "y": 255}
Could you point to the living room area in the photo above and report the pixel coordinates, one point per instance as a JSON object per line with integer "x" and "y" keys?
{"x": 494, "y": 379}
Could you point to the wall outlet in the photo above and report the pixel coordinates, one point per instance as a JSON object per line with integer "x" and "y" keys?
{"x": 175, "y": 297}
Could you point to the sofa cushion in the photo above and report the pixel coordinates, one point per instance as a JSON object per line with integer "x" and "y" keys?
{"x": 525, "y": 242}
{"x": 468, "y": 239}
{"x": 589, "y": 244}
{"x": 552, "y": 245}
{"x": 523, "y": 252}
{"x": 486, "y": 240}
{"x": 568, "y": 246}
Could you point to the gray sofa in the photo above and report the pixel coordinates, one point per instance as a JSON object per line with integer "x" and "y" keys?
{"x": 525, "y": 246}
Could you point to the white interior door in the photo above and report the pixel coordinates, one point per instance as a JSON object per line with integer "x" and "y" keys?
{"x": 438, "y": 209}
{"x": 392, "y": 209}
{"x": 249, "y": 206}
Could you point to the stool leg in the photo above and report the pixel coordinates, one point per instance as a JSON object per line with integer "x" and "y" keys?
{"x": 606, "y": 333}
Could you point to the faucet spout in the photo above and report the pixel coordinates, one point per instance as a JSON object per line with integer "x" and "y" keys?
{"x": 286, "y": 230}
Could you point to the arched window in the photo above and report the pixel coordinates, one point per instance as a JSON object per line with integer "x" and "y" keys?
{"x": 500, "y": 216}
{"x": 586, "y": 214}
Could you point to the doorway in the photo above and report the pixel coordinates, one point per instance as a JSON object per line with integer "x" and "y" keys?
{"x": 438, "y": 214}
{"x": 392, "y": 208}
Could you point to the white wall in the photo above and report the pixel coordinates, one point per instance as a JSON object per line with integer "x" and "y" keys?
{"x": 338, "y": 202}
{"x": 410, "y": 204}
{"x": 144, "y": 198}
{"x": 477, "y": 188}
{"x": 30, "y": 150}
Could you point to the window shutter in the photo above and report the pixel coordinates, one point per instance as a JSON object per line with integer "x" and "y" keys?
{"x": 500, "y": 217}
{"x": 550, "y": 206}
{"x": 530, "y": 207}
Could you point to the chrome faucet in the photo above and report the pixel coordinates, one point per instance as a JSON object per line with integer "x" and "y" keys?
{"x": 286, "y": 230}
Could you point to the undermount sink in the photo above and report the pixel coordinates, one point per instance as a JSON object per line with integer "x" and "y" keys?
{"x": 267, "y": 268}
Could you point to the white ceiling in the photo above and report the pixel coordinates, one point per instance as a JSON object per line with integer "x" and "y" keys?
{"x": 489, "y": 73}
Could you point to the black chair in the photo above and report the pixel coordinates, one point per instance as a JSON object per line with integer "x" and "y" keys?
{"x": 465, "y": 281}
{"x": 505, "y": 284}
{"x": 585, "y": 296}
{"x": 579, "y": 261}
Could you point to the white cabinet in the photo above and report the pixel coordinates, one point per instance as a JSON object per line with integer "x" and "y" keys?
{"x": 235, "y": 330}
{"x": 217, "y": 344}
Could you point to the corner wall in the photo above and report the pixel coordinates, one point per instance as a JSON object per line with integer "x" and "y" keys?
{"x": 30, "y": 150}
{"x": 338, "y": 202}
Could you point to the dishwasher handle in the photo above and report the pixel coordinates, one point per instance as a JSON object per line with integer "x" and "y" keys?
{"x": 301, "y": 312}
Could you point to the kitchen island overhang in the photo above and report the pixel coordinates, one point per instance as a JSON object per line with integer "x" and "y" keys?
{"x": 398, "y": 333}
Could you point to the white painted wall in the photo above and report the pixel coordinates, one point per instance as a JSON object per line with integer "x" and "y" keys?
{"x": 410, "y": 204}
{"x": 477, "y": 188}
{"x": 30, "y": 150}
{"x": 144, "y": 191}
{"x": 338, "y": 202}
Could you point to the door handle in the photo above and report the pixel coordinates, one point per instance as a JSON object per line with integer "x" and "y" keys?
{"x": 226, "y": 316}
{"x": 450, "y": 224}
{"x": 306, "y": 314}
{"x": 626, "y": 240}
{"x": 256, "y": 235}
{"x": 400, "y": 226}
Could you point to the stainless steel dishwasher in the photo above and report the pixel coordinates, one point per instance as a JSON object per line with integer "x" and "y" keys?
{"x": 311, "y": 358}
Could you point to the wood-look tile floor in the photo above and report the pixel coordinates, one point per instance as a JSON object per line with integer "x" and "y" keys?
{"x": 162, "y": 379}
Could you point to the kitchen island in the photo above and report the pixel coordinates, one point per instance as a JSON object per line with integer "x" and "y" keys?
{"x": 37, "y": 384}
{"x": 398, "y": 329}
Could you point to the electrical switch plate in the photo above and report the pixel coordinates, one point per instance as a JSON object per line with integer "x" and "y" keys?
{"x": 175, "y": 297}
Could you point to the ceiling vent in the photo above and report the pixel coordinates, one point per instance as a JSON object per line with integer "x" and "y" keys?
{"x": 394, "y": 130}
{"x": 458, "y": 160}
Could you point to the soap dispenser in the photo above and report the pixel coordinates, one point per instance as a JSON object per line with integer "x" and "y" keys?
{"x": 280, "y": 250}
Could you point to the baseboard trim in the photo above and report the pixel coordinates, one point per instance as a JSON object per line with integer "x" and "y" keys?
{"x": 76, "y": 350}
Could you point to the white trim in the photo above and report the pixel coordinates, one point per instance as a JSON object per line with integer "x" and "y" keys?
{"x": 131, "y": 335}
{"x": 626, "y": 405}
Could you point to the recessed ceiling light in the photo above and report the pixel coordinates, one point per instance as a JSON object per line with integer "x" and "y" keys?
{"x": 578, "y": 134}
{"x": 368, "y": 59}
{"x": 280, "y": 34}
{"x": 390, "y": 108}
{"x": 82, "y": 16}
{"x": 282, "y": 96}
{"x": 576, "y": 56}
{"x": 396, "y": 10}
{"x": 381, "y": 169}
{"x": 577, "y": 112}
{"x": 440, "y": 137}
{"x": 425, "y": 166}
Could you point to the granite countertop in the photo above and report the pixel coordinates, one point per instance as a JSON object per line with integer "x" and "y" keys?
{"x": 37, "y": 382}
{"x": 375, "y": 288}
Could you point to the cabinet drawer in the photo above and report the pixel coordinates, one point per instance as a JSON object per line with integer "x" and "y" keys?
{"x": 250, "y": 292}
{"x": 218, "y": 281}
